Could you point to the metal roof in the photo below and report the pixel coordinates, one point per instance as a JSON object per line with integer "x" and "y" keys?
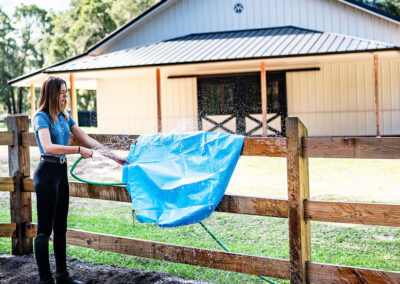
{"x": 223, "y": 46}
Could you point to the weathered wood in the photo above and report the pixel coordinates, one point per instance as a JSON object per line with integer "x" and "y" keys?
{"x": 6, "y": 184}
{"x": 20, "y": 201}
{"x": 298, "y": 191}
{"x": 229, "y": 203}
{"x": 271, "y": 147}
{"x": 7, "y": 138}
{"x": 254, "y": 206}
{"x": 73, "y": 98}
{"x": 7, "y": 230}
{"x": 28, "y": 139}
{"x": 321, "y": 147}
{"x": 352, "y": 147}
{"x": 376, "y": 97}
{"x": 263, "y": 76}
{"x": 327, "y": 273}
{"x": 354, "y": 213}
{"x": 116, "y": 142}
{"x": 158, "y": 84}
{"x": 243, "y": 263}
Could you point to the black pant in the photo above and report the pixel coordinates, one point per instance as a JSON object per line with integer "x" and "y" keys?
{"x": 52, "y": 198}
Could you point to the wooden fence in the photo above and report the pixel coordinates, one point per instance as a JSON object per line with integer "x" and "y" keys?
{"x": 296, "y": 147}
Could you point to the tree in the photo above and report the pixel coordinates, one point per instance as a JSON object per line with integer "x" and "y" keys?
{"x": 8, "y": 48}
{"x": 390, "y": 6}
{"x": 31, "y": 52}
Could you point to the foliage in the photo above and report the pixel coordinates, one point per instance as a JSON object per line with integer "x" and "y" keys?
{"x": 390, "y": 6}
{"x": 33, "y": 38}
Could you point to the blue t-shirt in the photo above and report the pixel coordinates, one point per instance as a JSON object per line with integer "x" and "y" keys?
{"x": 59, "y": 131}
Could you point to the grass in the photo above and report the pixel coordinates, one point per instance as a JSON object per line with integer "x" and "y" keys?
{"x": 330, "y": 179}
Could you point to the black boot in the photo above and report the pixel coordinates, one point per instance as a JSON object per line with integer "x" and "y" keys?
{"x": 42, "y": 258}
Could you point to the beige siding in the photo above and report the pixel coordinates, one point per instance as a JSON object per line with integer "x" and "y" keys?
{"x": 127, "y": 105}
{"x": 179, "y": 104}
{"x": 339, "y": 99}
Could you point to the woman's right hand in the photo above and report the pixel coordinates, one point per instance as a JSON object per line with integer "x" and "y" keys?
{"x": 86, "y": 153}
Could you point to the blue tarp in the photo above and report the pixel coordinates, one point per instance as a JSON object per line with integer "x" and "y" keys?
{"x": 179, "y": 179}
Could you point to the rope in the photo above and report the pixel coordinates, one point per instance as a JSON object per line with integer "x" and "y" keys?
{"x": 120, "y": 183}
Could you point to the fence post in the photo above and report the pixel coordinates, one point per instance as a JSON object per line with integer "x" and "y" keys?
{"x": 298, "y": 191}
{"x": 20, "y": 201}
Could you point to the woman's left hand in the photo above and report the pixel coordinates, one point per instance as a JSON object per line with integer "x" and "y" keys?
{"x": 121, "y": 160}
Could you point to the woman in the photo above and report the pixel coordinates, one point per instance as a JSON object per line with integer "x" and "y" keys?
{"x": 52, "y": 126}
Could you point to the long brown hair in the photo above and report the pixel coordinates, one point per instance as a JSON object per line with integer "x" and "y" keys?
{"x": 49, "y": 100}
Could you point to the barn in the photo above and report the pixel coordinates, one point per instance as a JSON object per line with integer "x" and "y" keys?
{"x": 243, "y": 66}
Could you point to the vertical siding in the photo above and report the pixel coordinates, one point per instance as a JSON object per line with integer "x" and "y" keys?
{"x": 339, "y": 99}
{"x": 197, "y": 16}
{"x": 127, "y": 105}
{"x": 179, "y": 104}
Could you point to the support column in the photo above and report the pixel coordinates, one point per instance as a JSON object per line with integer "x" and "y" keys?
{"x": 377, "y": 110}
{"x": 20, "y": 201}
{"x": 298, "y": 192}
{"x": 32, "y": 94}
{"x": 158, "y": 81}
{"x": 263, "y": 76}
{"x": 73, "y": 99}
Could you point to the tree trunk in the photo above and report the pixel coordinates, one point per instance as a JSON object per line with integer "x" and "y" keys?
{"x": 20, "y": 99}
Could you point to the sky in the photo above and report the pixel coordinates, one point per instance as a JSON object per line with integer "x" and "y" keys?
{"x": 8, "y": 6}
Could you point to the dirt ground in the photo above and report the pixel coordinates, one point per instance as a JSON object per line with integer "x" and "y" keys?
{"x": 23, "y": 270}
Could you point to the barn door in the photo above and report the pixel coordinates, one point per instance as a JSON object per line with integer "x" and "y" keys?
{"x": 232, "y": 104}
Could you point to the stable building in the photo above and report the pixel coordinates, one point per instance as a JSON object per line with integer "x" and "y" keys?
{"x": 243, "y": 67}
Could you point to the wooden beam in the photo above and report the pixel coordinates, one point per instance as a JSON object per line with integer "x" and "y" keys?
{"x": 271, "y": 147}
{"x": 6, "y": 184}
{"x": 349, "y": 147}
{"x": 7, "y": 138}
{"x": 73, "y": 98}
{"x": 7, "y": 230}
{"x": 263, "y": 76}
{"x": 339, "y": 212}
{"x": 321, "y": 147}
{"x": 377, "y": 110}
{"x": 158, "y": 82}
{"x": 354, "y": 213}
{"x": 253, "y": 206}
{"x": 33, "y": 108}
{"x": 298, "y": 191}
{"x": 271, "y": 267}
{"x": 229, "y": 203}
{"x": 328, "y": 273}
{"x": 20, "y": 200}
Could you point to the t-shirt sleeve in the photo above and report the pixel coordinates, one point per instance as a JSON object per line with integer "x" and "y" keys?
{"x": 71, "y": 122}
{"x": 40, "y": 121}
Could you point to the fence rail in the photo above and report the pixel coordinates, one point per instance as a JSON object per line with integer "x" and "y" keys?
{"x": 297, "y": 148}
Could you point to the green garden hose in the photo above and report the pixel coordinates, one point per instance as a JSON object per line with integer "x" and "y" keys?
{"x": 91, "y": 182}
{"x": 121, "y": 183}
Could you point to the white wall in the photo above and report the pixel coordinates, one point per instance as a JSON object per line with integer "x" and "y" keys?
{"x": 127, "y": 105}
{"x": 179, "y": 104}
{"x": 198, "y": 16}
{"x": 339, "y": 99}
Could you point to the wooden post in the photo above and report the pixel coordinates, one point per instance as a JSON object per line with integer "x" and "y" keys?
{"x": 158, "y": 81}
{"x": 32, "y": 92}
{"x": 298, "y": 192}
{"x": 377, "y": 111}
{"x": 263, "y": 75}
{"x": 20, "y": 201}
{"x": 74, "y": 101}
